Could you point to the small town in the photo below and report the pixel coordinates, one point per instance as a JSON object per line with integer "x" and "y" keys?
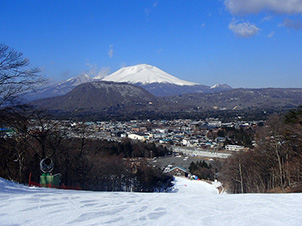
{"x": 181, "y": 132}
{"x": 186, "y": 136}
{"x": 187, "y": 140}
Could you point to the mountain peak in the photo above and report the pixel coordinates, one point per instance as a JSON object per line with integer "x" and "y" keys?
{"x": 57, "y": 89}
{"x": 74, "y": 81}
{"x": 145, "y": 74}
{"x": 221, "y": 86}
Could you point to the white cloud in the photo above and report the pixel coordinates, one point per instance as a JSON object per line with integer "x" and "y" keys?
{"x": 102, "y": 73}
{"x": 243, "y": 29}
{"x": 267, "y": 18}
{"x": 292, "y": 24}
{"x": 272, "y": 34}
{"x": 149, "y": 10}
{"x": 241, "y": 7}
{"x": 110, "y": 51}
{"x": 96, "y": 72}
{"x": 92, "y": 69}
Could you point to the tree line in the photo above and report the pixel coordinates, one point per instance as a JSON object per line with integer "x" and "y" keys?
{"x": 204, "y": 170}
{"x": 89, "y": 163}
{"x": 275, "y": 164}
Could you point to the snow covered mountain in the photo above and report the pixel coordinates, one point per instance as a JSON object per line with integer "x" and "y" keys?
{"x": 158, "y": 82}
{"x": 145, "y": 74}
{"x": 220, "y": 87}
{"x": 151, "y": 78}
{"x": 58, "y": 89}
{"x": 75, "y": 81}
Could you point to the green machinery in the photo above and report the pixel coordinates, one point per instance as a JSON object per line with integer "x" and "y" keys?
{"x": 47, "y": 179}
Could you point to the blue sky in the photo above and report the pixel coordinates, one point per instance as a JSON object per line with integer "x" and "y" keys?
{"x": 244, "y": 43}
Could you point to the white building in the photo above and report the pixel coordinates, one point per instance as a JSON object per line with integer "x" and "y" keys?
{"x": 231, "y": 147}
{"x": 134, "y": 136}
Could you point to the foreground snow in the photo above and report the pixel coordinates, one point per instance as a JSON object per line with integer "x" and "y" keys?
{"x": 191, "y": 203}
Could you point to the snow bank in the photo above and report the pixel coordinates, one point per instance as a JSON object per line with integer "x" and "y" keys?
{"x": 191, "y": 203}
{"x": 183, "y": 185}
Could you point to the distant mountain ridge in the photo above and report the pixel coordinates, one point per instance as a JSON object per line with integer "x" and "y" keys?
{"x": 126, "y": 100}
{"x": 151, "y": 78}
{"x": 57, "y": 89}
{"x": 220, "y": 86}
{"x": 239, "y": 99}
{"x": 159, "y": 89}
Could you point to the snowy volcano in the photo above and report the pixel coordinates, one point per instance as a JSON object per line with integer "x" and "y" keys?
{"x": 145, "y": 74}
{"x": 154, "y": 80}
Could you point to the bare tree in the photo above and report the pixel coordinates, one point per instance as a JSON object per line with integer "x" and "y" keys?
{"x": 16, "y": 76}
{"x": 275, "y": 164}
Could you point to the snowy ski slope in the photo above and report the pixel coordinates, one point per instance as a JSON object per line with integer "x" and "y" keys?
{"x": 191, "y": 203}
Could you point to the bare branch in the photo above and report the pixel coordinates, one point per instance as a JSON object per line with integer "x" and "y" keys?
{"x": 15, "y": 75}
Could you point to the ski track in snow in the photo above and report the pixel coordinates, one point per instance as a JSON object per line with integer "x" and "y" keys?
{"x": 191, "y": 203}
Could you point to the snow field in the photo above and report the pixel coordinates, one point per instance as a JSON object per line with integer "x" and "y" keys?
{"x": 190, "y": 203}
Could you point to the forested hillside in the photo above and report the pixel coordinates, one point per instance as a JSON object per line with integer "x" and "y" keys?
{"x": 275, "y": 164}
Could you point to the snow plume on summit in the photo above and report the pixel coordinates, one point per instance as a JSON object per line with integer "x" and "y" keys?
{"x": 145, "y": 74}
{"x": 57, "y": 89}
{"x": 75, "y": 81}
